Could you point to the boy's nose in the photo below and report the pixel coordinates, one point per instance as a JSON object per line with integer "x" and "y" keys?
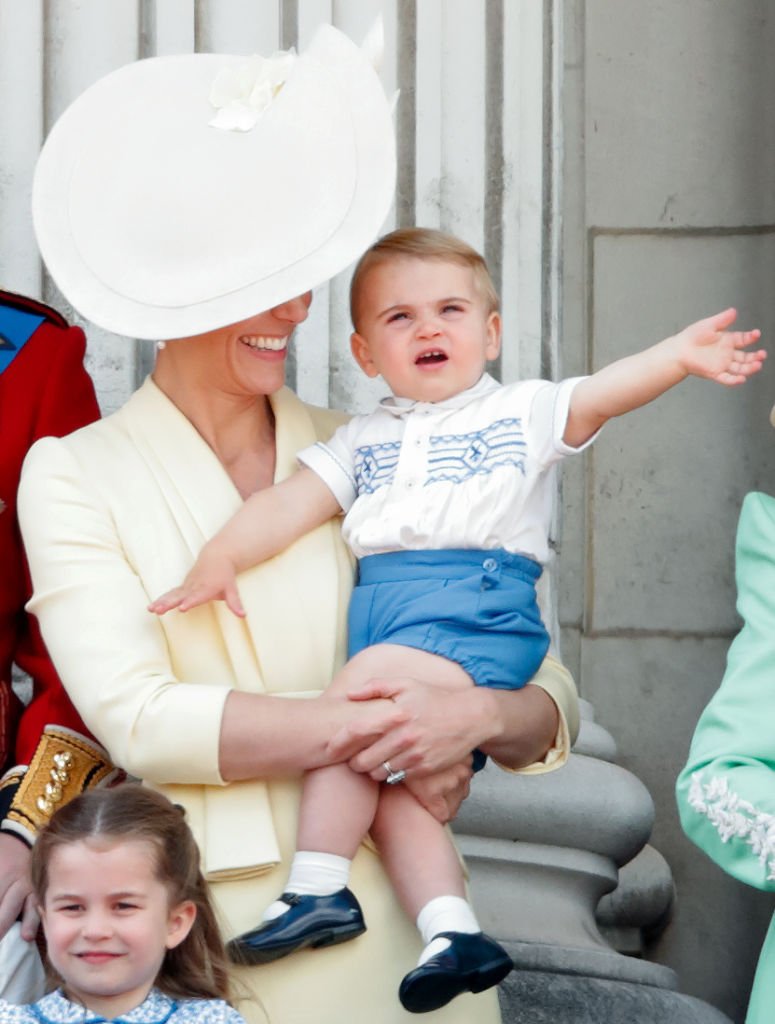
{"x": 428, "y": 327}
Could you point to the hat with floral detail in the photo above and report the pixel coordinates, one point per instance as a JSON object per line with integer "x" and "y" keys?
{"x": 182, "y": 193}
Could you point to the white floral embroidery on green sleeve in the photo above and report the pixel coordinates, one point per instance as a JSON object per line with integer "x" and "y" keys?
{"x": 735, "y": 818}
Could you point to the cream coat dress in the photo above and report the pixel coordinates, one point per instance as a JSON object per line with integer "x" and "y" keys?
{"x": 113, "y": 515}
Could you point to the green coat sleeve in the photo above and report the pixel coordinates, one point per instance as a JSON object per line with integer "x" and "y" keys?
{"x": 726, "y": 792}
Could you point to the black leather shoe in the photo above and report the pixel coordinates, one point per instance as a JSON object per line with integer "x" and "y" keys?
{"x": 471, "y": 963}
{"x": 312, "y": 921}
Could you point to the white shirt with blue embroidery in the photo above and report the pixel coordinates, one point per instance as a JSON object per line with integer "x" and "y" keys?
{"x": 474, "y": 471}
{"x": 56, "y": 1008}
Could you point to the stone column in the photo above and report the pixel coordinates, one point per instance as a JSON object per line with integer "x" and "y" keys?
{"x": 561, "y": 873}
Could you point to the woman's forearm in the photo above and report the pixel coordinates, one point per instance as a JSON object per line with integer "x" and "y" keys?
{"x": 523, "y": 723}
{"x": 264, "y": 736}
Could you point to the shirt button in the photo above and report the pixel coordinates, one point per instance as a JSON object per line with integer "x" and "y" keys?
{"x": 418, "y": 442}
{"x": 489, "y": 565}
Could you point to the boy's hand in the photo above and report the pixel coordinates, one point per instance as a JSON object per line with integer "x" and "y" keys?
{"x": 707, "y": 349}
{"x": 211, "y": 579}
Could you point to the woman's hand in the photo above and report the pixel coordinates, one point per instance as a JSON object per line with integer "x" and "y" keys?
{"x": 443, "y": 793}
{"x": 440, "y": 728}
{"x": 15, "y": 887}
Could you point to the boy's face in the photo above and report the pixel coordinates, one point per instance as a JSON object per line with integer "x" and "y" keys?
{"x": 424, "y": 327}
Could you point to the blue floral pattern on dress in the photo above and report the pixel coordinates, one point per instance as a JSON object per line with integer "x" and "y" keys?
{"x": 56, "y": 1008}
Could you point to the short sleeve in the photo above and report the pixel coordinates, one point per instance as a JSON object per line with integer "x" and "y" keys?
{"x": 333, "y": 461}
{"x": 548, "y": 420}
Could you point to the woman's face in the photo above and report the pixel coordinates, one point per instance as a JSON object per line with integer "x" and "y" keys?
{"x": 246, "y": 358}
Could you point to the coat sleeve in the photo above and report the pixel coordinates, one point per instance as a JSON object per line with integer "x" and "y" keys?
{"x": 726, "y": 792}
{"x": 112, "y": 654}
{"x": 65, "y": 402}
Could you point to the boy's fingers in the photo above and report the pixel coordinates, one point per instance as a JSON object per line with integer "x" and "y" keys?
{"x": 723, "y": 320}
{"x": 166, "y": 602}
{"x": 233, "y": 601}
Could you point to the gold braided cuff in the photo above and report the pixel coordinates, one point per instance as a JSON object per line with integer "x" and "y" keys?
{"x": 64, "y": 765}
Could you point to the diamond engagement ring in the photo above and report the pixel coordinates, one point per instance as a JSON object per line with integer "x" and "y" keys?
{"x": 395, "y": 777}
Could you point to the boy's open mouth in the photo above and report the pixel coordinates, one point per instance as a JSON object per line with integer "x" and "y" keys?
{"x": 434, "y": 356}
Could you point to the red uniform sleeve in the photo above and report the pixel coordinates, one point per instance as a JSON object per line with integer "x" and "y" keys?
{"x": 44, "y": 391}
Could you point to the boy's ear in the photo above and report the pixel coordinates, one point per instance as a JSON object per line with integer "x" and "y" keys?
{"x": 493, "y": 348}
{"x": 180, "y": 923}
{"x": 362, "y": 352}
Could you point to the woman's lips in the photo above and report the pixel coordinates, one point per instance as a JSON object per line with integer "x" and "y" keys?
{"x": 265, "y": 343}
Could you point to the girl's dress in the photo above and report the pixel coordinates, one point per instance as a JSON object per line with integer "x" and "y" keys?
{"x": 56, "y": 1008}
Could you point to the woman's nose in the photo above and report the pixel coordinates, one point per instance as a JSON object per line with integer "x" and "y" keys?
{"x": 294, "y": 311}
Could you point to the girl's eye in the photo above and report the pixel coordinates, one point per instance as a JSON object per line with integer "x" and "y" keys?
{"x": 452, "y": 308}
{"x": 126, "y": 906}
{"x": 70, "y": 908}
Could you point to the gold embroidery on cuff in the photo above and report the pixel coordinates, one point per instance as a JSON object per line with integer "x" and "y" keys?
{"x": 64, "y": 765}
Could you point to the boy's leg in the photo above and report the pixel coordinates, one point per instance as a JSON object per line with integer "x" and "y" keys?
{"x": 337, "y": 810}
{"x": 427, "y": 875}
{"x": 337, "y": 804}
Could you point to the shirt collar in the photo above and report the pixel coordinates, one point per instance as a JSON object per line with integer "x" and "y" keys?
{"x": 56, "y": 1008}
{"x": 402, "y": 406}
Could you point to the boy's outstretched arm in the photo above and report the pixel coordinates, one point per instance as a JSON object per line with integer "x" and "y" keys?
{"x": 268, "y": 522}
{"x": 704, "y": 349}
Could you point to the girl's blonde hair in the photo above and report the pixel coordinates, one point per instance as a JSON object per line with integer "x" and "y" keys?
{"x": 422, "y": 244}
{"x": 198, "y": 966}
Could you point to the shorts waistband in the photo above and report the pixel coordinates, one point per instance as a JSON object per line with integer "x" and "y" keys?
{"x": 448, "y": 563}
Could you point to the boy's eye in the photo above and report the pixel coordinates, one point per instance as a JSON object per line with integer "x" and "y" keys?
{"x": 397, "y": 316}
{"x": 452, "y": 307}
{"x": 123, "y": 905}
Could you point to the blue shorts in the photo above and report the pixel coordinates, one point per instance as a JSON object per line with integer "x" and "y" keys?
{"x": 477, "y": 608}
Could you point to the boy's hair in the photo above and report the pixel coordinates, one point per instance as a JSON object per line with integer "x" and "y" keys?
{"x": 422, "y": 244}
{"x": 198, "y": 966}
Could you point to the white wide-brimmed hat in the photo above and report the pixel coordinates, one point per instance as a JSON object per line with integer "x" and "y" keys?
{"x": 179, "y": 194}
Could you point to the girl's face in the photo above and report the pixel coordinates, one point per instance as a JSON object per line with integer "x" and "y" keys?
{"x": 108, "y": 922}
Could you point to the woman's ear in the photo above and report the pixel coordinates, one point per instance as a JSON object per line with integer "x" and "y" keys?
{"x": 180, "y": 922}
{"x": 492, "y": 351}
{"x": 362, "y": 352}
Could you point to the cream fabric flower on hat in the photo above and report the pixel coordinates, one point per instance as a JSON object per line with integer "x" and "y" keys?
{"x": 242, "y": 94}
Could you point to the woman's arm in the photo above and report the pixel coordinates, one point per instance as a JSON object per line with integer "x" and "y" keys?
{"x": 264, "y": 736}
{"x": 527, "y": 729}
{"x": 114, "y": 657}
{"x": 726, "y": 792}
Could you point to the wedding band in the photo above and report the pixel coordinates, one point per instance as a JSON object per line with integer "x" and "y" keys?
{"x": 395, "y": 777}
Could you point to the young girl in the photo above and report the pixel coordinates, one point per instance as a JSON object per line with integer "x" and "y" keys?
{"x": 129, "y": 927}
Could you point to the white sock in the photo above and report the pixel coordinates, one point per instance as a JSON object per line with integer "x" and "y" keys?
{"x": 444, "y": 914}
{"x": 312, "y": 874}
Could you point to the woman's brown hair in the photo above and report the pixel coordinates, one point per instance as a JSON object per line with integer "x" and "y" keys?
{"x": 195, "y": 968}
